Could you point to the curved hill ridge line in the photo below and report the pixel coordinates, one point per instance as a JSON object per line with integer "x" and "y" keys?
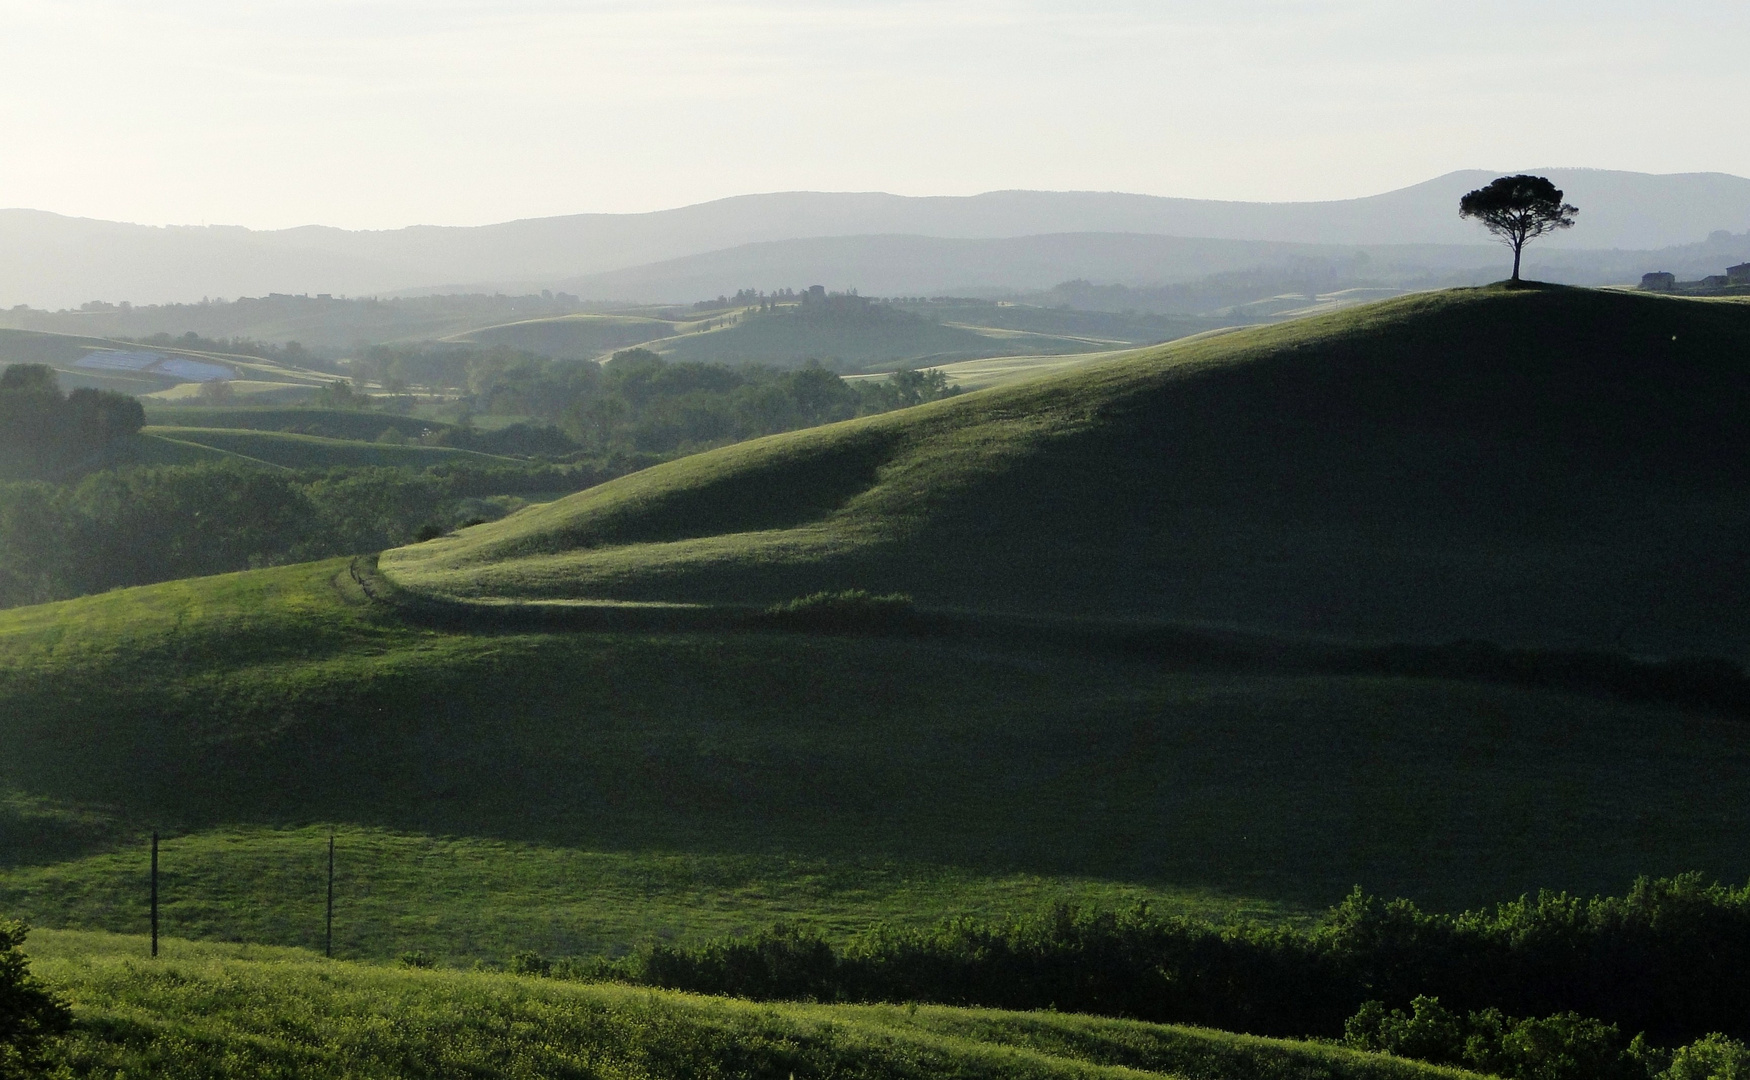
{"x": 1550, "y": 468}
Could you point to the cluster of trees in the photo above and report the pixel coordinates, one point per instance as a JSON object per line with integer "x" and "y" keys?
{"x": 1664, "y": 960}
{"x": 101, "y": 527}
{"x": 638, "y": 401}
{"x": 137, "y": 526}
{"x": 44, "y": 432}
{"x": 1537, "y": 1048}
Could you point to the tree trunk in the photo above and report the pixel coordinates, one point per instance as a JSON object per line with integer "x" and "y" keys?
{"x": 1517, "y": 248}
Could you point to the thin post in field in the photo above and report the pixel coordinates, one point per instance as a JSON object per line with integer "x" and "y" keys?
{"x": 328, "y": 930}
{"x": 154, "y": 894}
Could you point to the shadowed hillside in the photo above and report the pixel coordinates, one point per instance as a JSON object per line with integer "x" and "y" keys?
{"x": 1555, "y": 467}
{"x": 876, "y": 764}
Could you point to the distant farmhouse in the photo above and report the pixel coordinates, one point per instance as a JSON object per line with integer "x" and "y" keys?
{"x": 1735, "y": 281}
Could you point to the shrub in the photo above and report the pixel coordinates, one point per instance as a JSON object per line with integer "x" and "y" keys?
{"x": 29, "y": 1014}
{"x": 781, "y": 963}
{"x": 1713, "y": 1057}
{"x": 1566, "y": 1046}
{"x": 850, "y": 611}
{"x": 529, "y": 962}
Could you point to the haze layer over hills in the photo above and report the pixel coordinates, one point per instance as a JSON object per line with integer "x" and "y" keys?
{"x": 49, "y": 260}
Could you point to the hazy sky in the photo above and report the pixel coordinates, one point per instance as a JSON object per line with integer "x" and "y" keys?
{"x": 270, "y": 113}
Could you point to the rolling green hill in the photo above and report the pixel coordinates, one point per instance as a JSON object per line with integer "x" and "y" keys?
{"x": 1552, "y": 467}
{"x": 683, "y": 784}
{"x": 572, "y": 337}
{"x": 581, "y": 777}
{"x": 203, "y": 1011}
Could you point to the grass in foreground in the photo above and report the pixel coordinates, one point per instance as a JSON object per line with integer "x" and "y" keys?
{"x": 245, "y": 1011}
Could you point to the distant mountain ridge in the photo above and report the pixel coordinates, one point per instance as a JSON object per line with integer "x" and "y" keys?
{"x": 906, "y": 265}
{"x": 55, "y": 261}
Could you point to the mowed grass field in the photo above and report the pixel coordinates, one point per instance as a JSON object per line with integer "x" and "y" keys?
{"x": 579, "y": 793}
{"x": 1547, "y": 467}
{"x": 202, "y": 1010}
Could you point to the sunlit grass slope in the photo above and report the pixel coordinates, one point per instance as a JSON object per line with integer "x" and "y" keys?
{"x": 203, "y": 1011}
{"x": 459, "y": 899}
{"x": 895, "y": 774}
{"x": 1557, "y": 467}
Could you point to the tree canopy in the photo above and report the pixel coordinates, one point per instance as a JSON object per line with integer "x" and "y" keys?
{"x": 43, "y": 432}
{"x": 1518, "y": 209}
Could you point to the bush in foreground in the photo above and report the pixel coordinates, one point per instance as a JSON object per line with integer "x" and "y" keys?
{"x": 29, "y": 1014}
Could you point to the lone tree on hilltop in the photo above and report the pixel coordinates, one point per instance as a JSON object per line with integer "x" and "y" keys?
{"x": 1518, "y": 209}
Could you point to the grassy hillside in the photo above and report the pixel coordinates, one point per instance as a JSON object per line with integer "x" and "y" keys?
{"x": 163, "y": 448}
{"x": 326, "y": 423}
{"x": 572, "y": 337}
{"x": 845, "y": 333}
{"x": 201, "y": 1011}
{"x": 603, "y": 788}
{"x": 460, "y": 899}
{"x": 312, "y": 451}
{"x": 1475, "y": 462}
{"x": 1554, "y": 467}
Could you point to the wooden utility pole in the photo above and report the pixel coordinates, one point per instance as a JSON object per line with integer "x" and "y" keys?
{"x": 328, "y": 933}
{"x": 154, "y": 894}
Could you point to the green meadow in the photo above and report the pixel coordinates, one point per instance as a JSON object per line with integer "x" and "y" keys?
{"x": 466, "y": 899}
{"x": 296, "y": 451}
{"x": 569, "y": 731}
{"x": 573, "y": 337}
{"x": 202, "y": 1010}
{"x": 628, "y": 787}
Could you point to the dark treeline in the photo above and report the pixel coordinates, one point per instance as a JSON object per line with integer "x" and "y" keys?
{"x": 138, "y": 526}
{"x": 43, "y": 431}
{"x": 1665, "y": 960}
{"x": 639, "y": 402}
